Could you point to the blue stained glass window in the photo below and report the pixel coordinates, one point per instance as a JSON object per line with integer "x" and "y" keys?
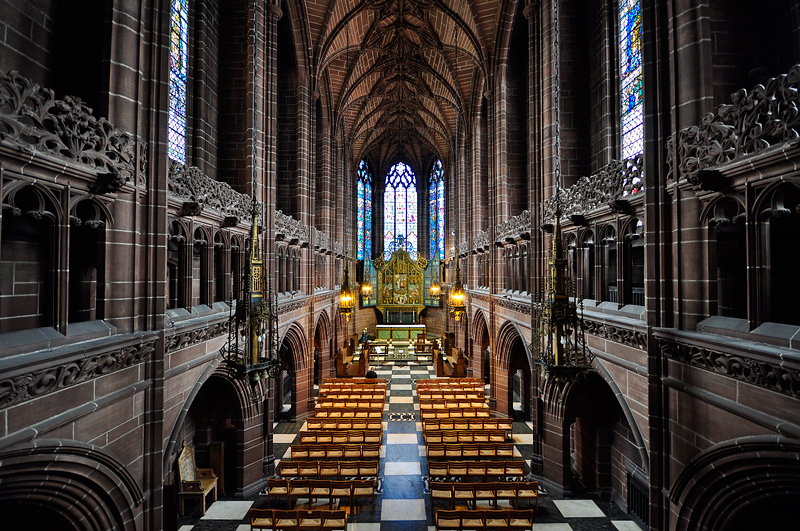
{"x": 436, "y": 192}
{"x": 178, "y": 70}
{"x": 400, "y": 211}
{"x": 364, "y": 211}
{"x": 630, "y": 76}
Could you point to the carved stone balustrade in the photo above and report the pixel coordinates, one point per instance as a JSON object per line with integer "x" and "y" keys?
{"x": 480, "y": 241}
{"x": 322, "y": 242}
{"x": 290, "y": 229}
{"x": 189, "y": 184}
{"x": 515, "y": 229}
{"x": 33, "y": 121}
{"x": 754, "y": 121}
{"x": 611, "y": 187}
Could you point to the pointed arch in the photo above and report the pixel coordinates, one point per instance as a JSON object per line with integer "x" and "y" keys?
{"x": 506, "y": 335}
{"x": 294, "y": 338}
{"x": 82, "y": 482}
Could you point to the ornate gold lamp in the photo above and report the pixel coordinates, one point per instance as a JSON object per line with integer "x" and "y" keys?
{"x": 347, "y": 299}
{"x": 457, "y": 295}
{"x": 435, "y": 290}
{"x": 366, "y": 289}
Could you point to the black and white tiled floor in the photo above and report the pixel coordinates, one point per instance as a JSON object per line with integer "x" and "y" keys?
{"x": 402, "y": 502}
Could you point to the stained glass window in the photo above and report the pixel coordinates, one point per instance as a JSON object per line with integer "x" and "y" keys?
{"x": 364, "y": 211}
{"x": 436, "y": 192}
{"x": 178, "y": 58}
{"x": 630, "y": 76}
{"x": 400, "y": 211}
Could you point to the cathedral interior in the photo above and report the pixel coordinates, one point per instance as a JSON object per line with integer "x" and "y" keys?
{"x": 216, "y": 212}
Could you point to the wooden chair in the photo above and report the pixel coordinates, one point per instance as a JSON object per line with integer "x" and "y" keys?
{"x": 194, "y": 482}
{"x": 320, "y": 489}
{"x": 515, "y": 468}
{"x": 285, "y": 520}
{"x": 348, "y": 469}
{"x": 464, "y": 492}
{"x": 441, "y": 490}
{"x": 308, "y": 469}
{"x": 341, "y": 489}
{"x": 309, "y": 520}
{"x": 363, "y": 488}
{"x": 506, "y": 491}
{"x": 472, "y": 520}
{"x": 527, "y": 491}
{"x": 261, "y": 519}
{"x": 520, "y": 519}
{"x": 437, "y": 470}
{"x": 277, "y": 488}
{"x": 495, "y": 519}
{"x": 448, "y": 520}
{"x": 328, "y": 469}
{"x": 485, "y": 492}
{"x": 368, "y": 468}
{"x": 299, "y": 488}
{"x": 334, "y": 520}
{"x": 290, "y": 469}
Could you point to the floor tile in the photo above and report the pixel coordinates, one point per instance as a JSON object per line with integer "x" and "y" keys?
{"x": 186, "y": 528}
{"x": 364, "y": 527}
{"x": 243, "y": 527}
{"x": 579, "y": 509}
{"x": 227, "y": 510}
{"x": 419, "y": 426}
{"x": 407, "y": 468}
{"x": 401, "y": 400}
{"x": 401, "y": 387}
{"x": 402, "y": 438}
{"x": 283, "y": 438}
{"x": 422, "y": 452}
{"x": 403, "y": 510}
{"x": 626, "y": 525}
{"x": 551, "y": 527}
{"x": 523, "y": 438}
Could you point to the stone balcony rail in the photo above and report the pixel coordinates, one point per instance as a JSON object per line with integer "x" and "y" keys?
{"x": 755, "y": 121}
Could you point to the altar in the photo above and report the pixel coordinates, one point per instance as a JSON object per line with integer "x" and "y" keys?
{"x": 398, "y": 333}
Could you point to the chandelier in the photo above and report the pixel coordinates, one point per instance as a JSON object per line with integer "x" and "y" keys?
{"x": 252, "y": 346}
{"x": 347, "y": 299}
{"x": 559, "y": 342}
{"x": 457, "y": 295}
{"x": 435, "y": 291}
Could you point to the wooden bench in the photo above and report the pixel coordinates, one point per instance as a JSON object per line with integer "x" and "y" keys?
{"x": 464, "y": 436}
{"x": 516, "y": 492}
{"x": 329, "y": 469}
{"x": 354, "y": 382}
{"x": 470, "y": 450}
{"x": 468, "y": 424}
{"x": 445, "y": 470}
{"x": 278, "y": 519}
{"x": 194, "y": 482}
{"x": 358, "y": 451}
{"x": 465, "y": 412}
{"x": 442, "y": 404}
{"x": 313, "y": 489}
{"x": 341, "y": 436}
{"x": 515, "y": 519}
{"x": 334, "y": 404}
{"x": 449, "y": 383}
{"x": 334, "y": 423}
{"x": 346, "y": 413}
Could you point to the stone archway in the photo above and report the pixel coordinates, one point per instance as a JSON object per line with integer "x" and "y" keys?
{"x": 67, "y": 484}
{"x": 512, "y": 363}
{"x": 753, "y": 480}
{"x": 480, "y": 348}
{"x": 322, "y": 348}
{"x": 294, "y": 386}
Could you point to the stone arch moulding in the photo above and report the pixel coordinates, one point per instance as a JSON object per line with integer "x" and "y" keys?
{"x": 324, "y": 321}
{"x": 295, "y": 339}
{"x": 85, "y": 484}
{"x": 730, "y": 475}
{"x": 505, "y": 339}
{"x": 626, "y": 410}
{"x": 479, "y": 322}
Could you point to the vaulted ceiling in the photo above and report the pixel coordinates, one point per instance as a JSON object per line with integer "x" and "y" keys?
{"x": 399, "y": 74}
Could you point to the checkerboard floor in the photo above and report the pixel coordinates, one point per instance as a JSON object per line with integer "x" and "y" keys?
{"x": 402, "y": 502}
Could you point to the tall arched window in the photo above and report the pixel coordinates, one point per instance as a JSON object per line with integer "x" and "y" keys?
{"x": 400, "y": 211}
{"x": 364, "y": 211}
{"x": 178, "y": 70}
{"x": 630, "y": 77}
{"x": 436, "y": 192}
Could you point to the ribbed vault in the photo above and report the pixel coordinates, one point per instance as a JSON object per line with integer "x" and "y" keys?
{"x": 399, "y": 74}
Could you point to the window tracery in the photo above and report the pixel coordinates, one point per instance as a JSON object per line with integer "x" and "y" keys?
{"x": 631, "y": 77}
{"x": 178, "y": 73}
{"x": 436, "y": 194}
{"x": 400, "y": 211}
{"x": 364, "y": 211}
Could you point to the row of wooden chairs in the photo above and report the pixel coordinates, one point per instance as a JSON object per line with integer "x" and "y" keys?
{"x": 464, "y": 436}
{"x": 291, "y": 520}
{"x": 463, "y": 412}
{"x": 475, "y": 520}
{"x": 341, "y": 436}
{"x": 451, "y": 394}
{"x": 329, "y": 469}
{"x": 354, "y": 381}
{"x": 314, "y": 489}
{"x": 334, "y": 423}
{"x": 469, "y": 450}
{"x": 348, "y": 413}
{"x": 332, "y": 403}
{"x": 442, "y": 404}
{"x": 475, "y": 469}
{"x": 468, "y": 424}
{"x": 440, "y": 383}
{"x": 353, "y": 394}
{"x": 513, "y": 491}
{"x": 336, "y": 451}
